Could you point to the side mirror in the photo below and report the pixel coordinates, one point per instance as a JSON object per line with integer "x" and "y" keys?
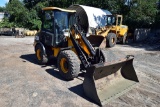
{"x": 47, "y": 16}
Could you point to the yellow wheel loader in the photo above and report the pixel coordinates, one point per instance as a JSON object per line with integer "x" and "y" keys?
{"x": 61, "y": 37}
{"x": 111, "y": 33}
{"x": 103, "y": 29}
{"x": 113, "y": 30}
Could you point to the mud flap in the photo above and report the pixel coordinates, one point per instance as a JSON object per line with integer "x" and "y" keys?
{"x": 106, "y": 81}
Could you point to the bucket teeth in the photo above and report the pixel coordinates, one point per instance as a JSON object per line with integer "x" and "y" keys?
{"x": 106, "y": 81}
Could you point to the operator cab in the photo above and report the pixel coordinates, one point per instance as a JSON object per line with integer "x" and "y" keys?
{"x": 110, "y": 20}
{"x": 114, "y": 20}
{"x": 55, "y": 25}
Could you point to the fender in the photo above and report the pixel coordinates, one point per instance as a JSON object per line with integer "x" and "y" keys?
{"x": 62, "y": 49}
{"x": 39, "y": 43}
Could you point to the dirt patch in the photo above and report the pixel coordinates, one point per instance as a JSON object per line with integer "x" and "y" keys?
{"x": 24, "y": 83}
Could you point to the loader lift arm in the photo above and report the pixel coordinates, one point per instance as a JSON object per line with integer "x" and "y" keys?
{"x": 78, "y": 48}
{"x": 85, "y": 59}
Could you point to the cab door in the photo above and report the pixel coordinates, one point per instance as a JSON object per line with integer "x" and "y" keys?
{"x": 47, "y": 31}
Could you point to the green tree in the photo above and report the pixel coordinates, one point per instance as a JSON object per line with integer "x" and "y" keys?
{"x": 2, "y": 9}
{"x": 142, "y": 13}
{"x": 35, "y": 12}
{"x": 20, "y": 16}
{"x": 17, "y": 13}
{"x": 137, "y": 13}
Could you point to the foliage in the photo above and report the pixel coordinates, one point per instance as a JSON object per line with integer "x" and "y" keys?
{"x": 142, "y": 14}
{"x": 6, "y": 23}
{"x": 137, "y": 13}
{"x": 2, "y": 9}
{"x": 34, "y": 15}
{"x": 20, "y": 16}
{"x": 17, "y": 13}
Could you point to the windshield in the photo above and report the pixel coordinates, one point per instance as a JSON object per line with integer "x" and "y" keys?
{"x": 61, "y": 20}
{"x": 110, "y": 20}
{"x": 61, "y": 25}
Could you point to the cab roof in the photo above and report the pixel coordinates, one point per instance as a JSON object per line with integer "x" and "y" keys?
{"x": 60, "y": 9}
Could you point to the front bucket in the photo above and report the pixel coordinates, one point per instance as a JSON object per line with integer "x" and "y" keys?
{"x": 106, "y": 81}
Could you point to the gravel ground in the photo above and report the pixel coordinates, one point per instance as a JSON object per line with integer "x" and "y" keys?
{"x": 24, "y": 83}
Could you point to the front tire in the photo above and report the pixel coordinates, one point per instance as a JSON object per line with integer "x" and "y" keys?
{"x": 40, "y": 54}
{"x": 68, "y": 64}
{"x": 111, "y": 40}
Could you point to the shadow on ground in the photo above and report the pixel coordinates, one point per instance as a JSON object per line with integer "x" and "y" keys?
{"x": 147, "y": 47}
{"x": 32, "y": 58}
{"x": 55, "y": 73}
{"x": 149, "y": 44}
{"x": 79, "y": 91}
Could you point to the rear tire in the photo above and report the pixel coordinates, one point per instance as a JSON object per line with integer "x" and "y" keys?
{"x": 68, "y": 64}
{"x": 111, "y": 40}
{"x": 40, "y": 54}
{"x": 124, "y": 39}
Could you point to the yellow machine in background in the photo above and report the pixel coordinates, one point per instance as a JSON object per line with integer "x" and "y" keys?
{"x": 103, "y": 28}
{"x": 61, "y": 37}
{"x": 109, "y": 35}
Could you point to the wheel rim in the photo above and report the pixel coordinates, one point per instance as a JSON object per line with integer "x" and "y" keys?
{"x": 113, "y": 40}
{"x": 38, "y": 54}
{"x": 64, "y": 65}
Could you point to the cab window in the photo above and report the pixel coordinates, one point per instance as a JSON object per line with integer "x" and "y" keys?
{"x": 48, "y": 20}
